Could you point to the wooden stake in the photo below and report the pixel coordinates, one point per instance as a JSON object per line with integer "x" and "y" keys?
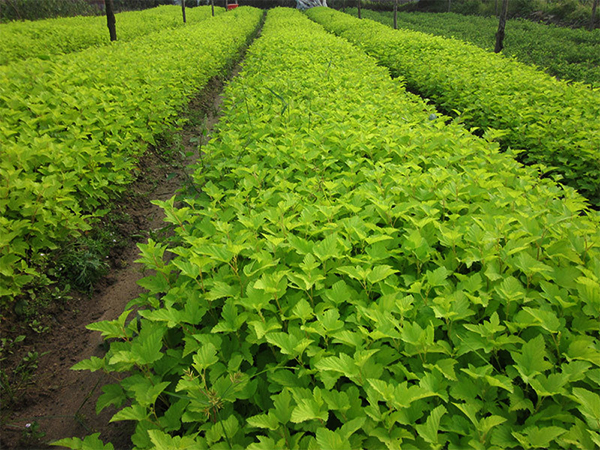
{"x": 110, "y": 19}
{"x": 501, "y": 26}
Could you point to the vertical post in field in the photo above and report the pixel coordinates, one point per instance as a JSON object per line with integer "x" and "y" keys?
{"x": 183, "y": 9}
{"x": 501, "y": 25}
{"x": 110, "y": 19}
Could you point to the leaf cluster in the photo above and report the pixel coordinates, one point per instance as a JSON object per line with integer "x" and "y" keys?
{"x": 566, "y": 53}
{"x": 550, "y": 123}
{"x": 48, "y": 38}
{"x": 72, "y": 130}
{"x": 357, "y": 274}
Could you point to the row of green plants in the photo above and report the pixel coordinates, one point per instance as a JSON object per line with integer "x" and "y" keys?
{"x": 36, "y": 9}
{"x": 12, "y": 10}
{"x": 571, "y": 13}
{"x": 549, "y": 122}
{"x": 73, "y": 129}
{"x": 569, "y": 54}
{"x": 47, "y": 38}
{"x": 352, "y": 273}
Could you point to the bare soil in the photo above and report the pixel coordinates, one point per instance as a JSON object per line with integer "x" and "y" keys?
{"x": 62, "y": 401}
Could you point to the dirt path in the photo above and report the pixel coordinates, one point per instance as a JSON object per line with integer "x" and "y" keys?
{"x": 62, "y": 401}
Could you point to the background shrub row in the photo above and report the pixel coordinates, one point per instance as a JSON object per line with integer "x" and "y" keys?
{"x": 548, "y": 121}
{"x": 46, "y": 38}
{"x": 569, "y": 54}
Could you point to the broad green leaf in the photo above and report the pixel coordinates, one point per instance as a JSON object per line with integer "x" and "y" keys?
{"x": 303, "y": 310}
{"x": 265, "y": 443}
{"x": 578, "y": 436}
{"x": 221, "y": 290}
{"x": 531, "y": 361}
{"x": 518, "y": 402}
{"x": 268, "y": 421}
{"x": 343, "y": 364}
{"x": 113, "y": 394}
{"x": 93, "y": 364}
{"x": 331, "y": 440}
{"x": 487, "y": 423}
{"x": 595, "y": 437}
{"x": 171, "y": 421}
{"x": 272, "y": 283}
{"x": 163, "y": 441}
{"x": 470, "y": 410}
{"x": 380, "y": 273}
{"x": 155, "y": 284}
{"x": 339, "y": 293}
{"x": 327, "y": 248}
{"x": 111, "y": 328}
{"x": 308, "y": 409}
{"x": 583, "y": 348}
{"x": 535, "y": 437}
{"x": 330, "y": 320}
{"x": 446, "y": 367}
{"x": 231, "y": 320}
{"x": 511, "y": 289}
{"x": 348, "y": 337}
{"x": 284, "y": 341}
{"x": 430, "y": 429}
{"x": 355, "y": 272}
{"x": 336, "y": 401}
{"x": 529, "y": 265}
{"x": 391, "y": 438}
{"x": 576, "y": 370}
{"x": 147, "y": 348}
{"x": 205, "y": 357}
{"x": 261, "y": 328}
{"x": 437, "y": 277}
{"x": 552, "y": 385}
{"x": 351, "y": 427}
{"x": 546, "y": 319}
{"x": 221, "y": 429}
{"x": 136, "y": 412}
{"x": 169, "y": 315}
{"x": 589, "y": 292}
{"x": 218, "y": 252}
{"x": 590, "y": 405}
{"x": 282, "y": 404}
{"x": 91, "y": 442}
{"x": 146, "y": 396}
{"x": 500, "y": 381}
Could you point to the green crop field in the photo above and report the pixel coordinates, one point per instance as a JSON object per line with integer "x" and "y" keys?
{"x": 569, "y": 54}
{"x": 549, "y": 122}
{"x": 350, "y": 268}
{"x": 72, "y": 129}
{"x": 357, "y": 274}
{"x": 45, "y": 38}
